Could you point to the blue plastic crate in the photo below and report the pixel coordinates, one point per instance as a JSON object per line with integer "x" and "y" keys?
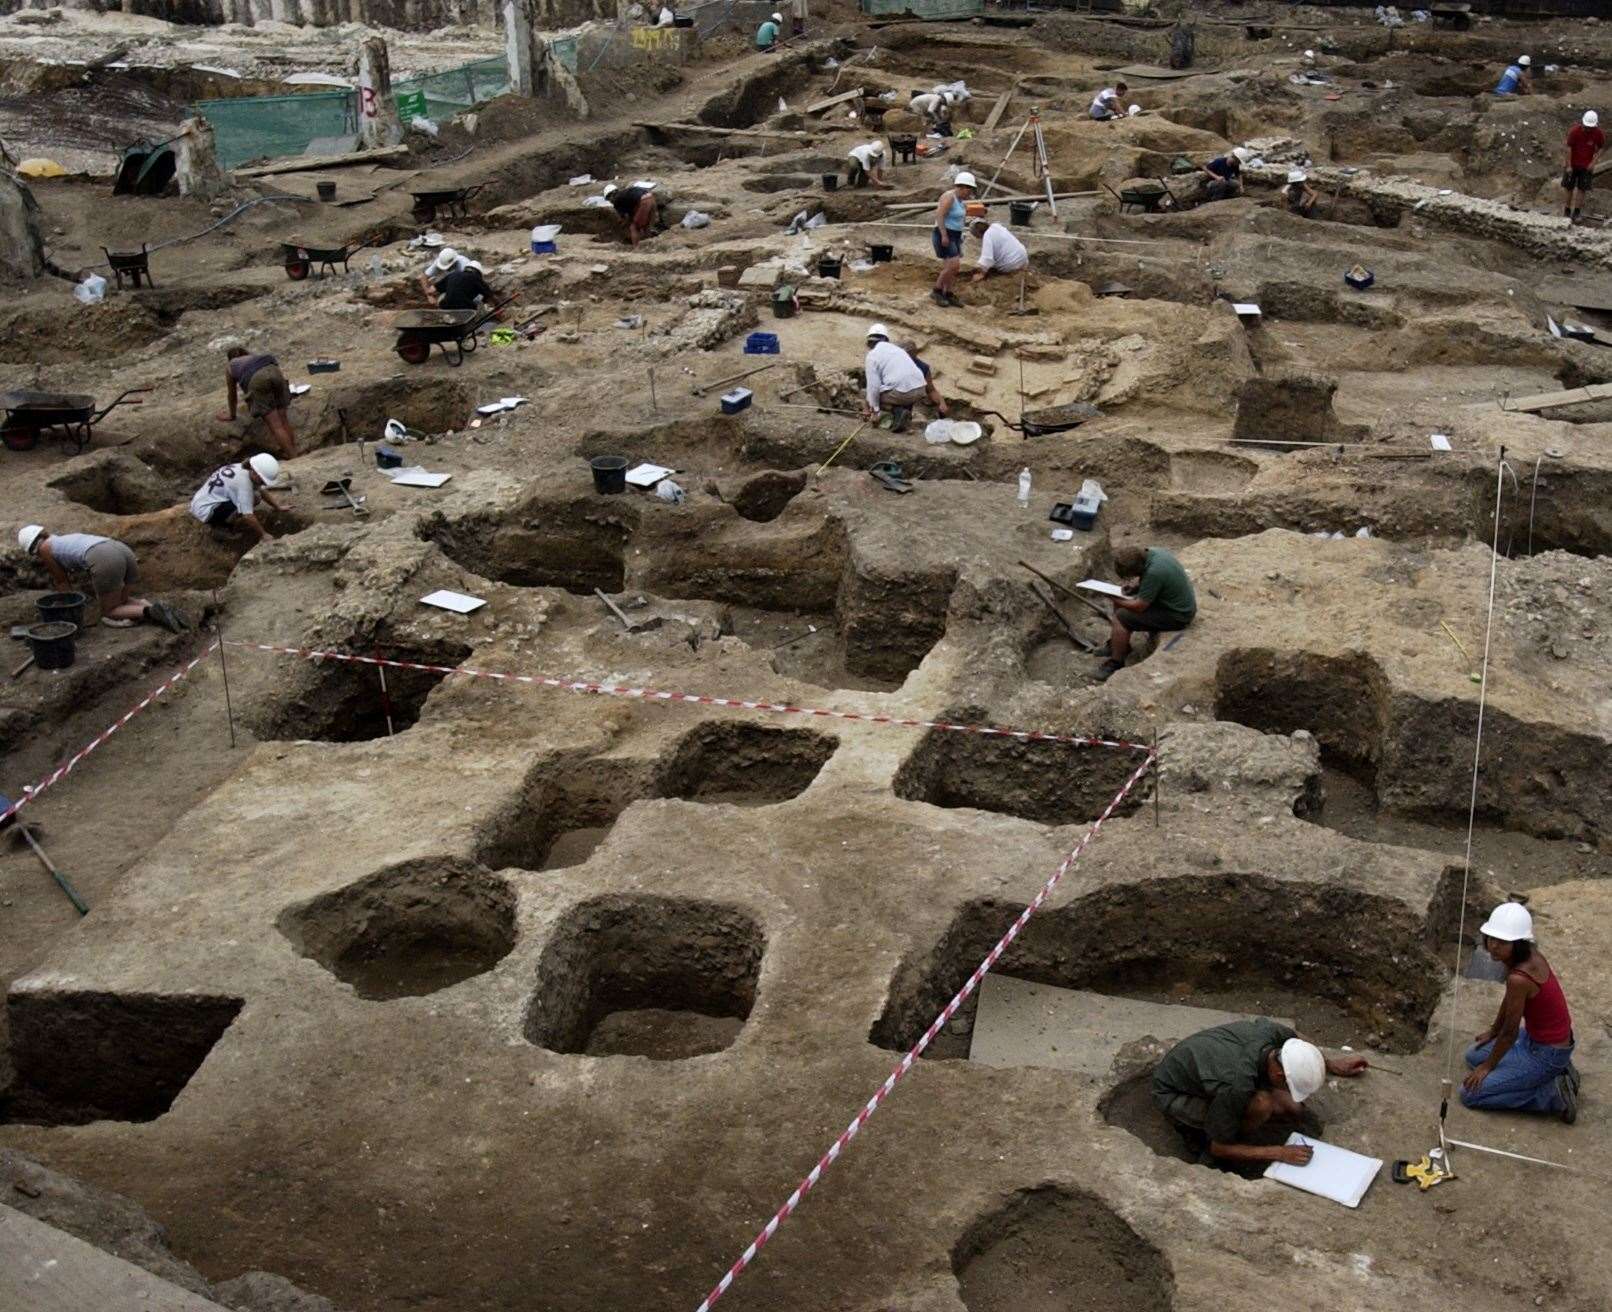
{"x": 761, "y": 344}
{"x": 736, "y": 400}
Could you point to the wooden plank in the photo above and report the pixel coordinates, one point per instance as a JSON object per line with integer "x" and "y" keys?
{"x": 721, "y": 132}
{"x": 995, "y": 116}
{"x": 840, "y": 99}
{"x": 303, "y": 162}
{"x": 1550, "y": 400}
{"x": 1581, "y": 294}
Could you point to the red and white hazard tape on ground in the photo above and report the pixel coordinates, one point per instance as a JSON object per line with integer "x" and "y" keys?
{"x": 31, "y": 793}
{"x": 947, "y": 1012}
{"x": 696, "y": 699}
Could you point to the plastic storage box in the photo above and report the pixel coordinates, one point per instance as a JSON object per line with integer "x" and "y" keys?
{"x": 736, "y": 400}
{"x": 761, "y": 344}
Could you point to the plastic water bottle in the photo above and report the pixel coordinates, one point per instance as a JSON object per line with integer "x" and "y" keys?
{"x": 1024, "y": 489}
{"x": 376, "y": 269}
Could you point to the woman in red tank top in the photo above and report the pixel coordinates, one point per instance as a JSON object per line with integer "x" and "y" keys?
{"x": 1524, "y": 1061}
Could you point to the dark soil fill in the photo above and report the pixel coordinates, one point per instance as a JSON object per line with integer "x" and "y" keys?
{"x": 661, "y": 1035}
{"x": 1058, "y": 1250}
{"x": 797, "y": 652}
{"x": 574, "y": 847}
{"x": 746, "y": 764}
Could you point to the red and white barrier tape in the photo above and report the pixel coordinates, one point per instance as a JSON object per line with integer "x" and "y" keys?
{"x": 872, "y": 1105}
{"x": 30, "y": 793}
{"x": 654, "y": 695}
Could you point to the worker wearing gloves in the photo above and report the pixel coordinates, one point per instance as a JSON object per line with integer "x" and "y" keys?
{"x": 1221, "y": 1086}
{"x": 948, "y": 237}
{"x": 767, "y": 33}
{"x": 267, "y": 393}
{"x": 866, "y": 166}
{"x": 1524, "y": 1061}
{"x": 894, "y": 380}
{"x": 1160, "y": 600}
{"x": 1000, "y": 250}
{"x": 233, "y": 491}
{"x": 1518, "y": 79}
{"x": 112, "y": 572}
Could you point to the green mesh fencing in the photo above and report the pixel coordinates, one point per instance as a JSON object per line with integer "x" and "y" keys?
{"x": 274, "y": 127}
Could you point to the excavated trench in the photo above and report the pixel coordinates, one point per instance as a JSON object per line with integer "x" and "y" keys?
{"x": 644, "y": 976}
{"x": 115, "y": 484}
{"x": 408, "y": 931}
{"x": 337, "y": 701}
{"x": 1340, "y": 962}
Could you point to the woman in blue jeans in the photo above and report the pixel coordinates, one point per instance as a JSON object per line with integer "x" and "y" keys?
{"x": 1524, "y": 1061}
{"x": 948, "y": 237}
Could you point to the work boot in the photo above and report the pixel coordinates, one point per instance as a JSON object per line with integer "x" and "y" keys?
{"x": 938, "y": 297}
{"x": 900, "y": 417}
{"x": 1573, "y": 1076}
{"x": 1108, "y": 669}
{"x": 1569, "y": 1096}
{"x": 953, "y": 301}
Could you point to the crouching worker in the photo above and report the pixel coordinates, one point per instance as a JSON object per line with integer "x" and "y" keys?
{"x": 1297, "y": 195}
{"x": 1524, "y": 1061}
{"x": 894, "y": 380}
{"x": 1221, "y": 1086}
{"x": 1000, "y": 251}
{"x": 866, "y": 165}
{"x": 233, "y": 491}
{"x": 268, "y": 395}
{"x": 636, "y": 207}
{"x": 112, "y": 572}
{"x": 1226, "y": 174}
{"x": 1160, "y": 600}
{"x": 767, "y": 33}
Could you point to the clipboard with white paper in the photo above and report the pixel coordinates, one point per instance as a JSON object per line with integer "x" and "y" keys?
{"x": 1333, "y": 1172}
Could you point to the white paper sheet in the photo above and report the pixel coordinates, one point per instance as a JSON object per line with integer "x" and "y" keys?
{"x": 1246, "y": 307}
{"x": 418, "y": 477}
{"x": 457, "y": 602}
{"x": 646, "y": 475}
{"x": 1334, "y": 1173}
{"x": 301, "y": 389}
{"x": 1097, "y": 585}
{"x": 1439, "y": 441}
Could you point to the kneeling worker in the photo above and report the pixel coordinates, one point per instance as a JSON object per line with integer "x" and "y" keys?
{"x": 1160, "y": 601}
{"x": 1297, "y": 195}
{"x": 1107, "y": 103}
{"x": 1226, "y": 174}
{"x": 934, "y": 107}
{"x": 767, "y": 33}
{"x": 894, "y": 381}
{"x": 866, "y": 166}
{"x": 233, "y": 491}
{"x": 1000, "y": 250}
{"x": 112, "y": 572}
{"x": 1221, "y": 1085}
{"x": 636, "y": 207}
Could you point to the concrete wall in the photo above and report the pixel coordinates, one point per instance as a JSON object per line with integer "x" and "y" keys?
{"x": 406, "y": 15}
{"x": 617, "y": 48}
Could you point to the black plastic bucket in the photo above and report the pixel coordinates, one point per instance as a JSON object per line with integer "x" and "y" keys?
{"x": 881, "y": 254}
{"x": 52, "y": 644}
{"x": 609, "y": 473}
{"x": 828, "y": 267}
{"x": 1019, "y": 212}
{"x": 62, "y": 608}
{"x": 831, "y": 181}
{"x": 327, "y": 190}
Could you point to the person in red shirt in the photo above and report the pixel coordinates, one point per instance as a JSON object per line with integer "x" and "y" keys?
{"x": 1585, "y": 142}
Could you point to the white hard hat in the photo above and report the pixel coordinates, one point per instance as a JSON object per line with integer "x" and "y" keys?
{"x": 1134, "y": 109}
{"x": 1309, "y": 54}
{"x": 1304, "y": 1066}
{"x": 610, "y": 187}
{"x": 1296, "y": 175}
{"x": 447, "y": 257}
{"x": 966, "y": 179}
{"x": 876, "y": 149}
{"x": 1591, "y": 118}
{"x": 29, "y": 536}
{"x": 265, "y": 467}
{"x": 1509, "y": 922}
{"x": 777, "y": 18}
{"x": 874, "y": 330}
{"x": 1524, "y": 60}
{"x": 1242, "y": 154}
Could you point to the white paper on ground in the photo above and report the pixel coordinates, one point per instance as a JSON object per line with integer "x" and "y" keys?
{"x": 1246, "y": 307}
{"x": 457, "y": 602}
{"x": 1334, "y": 1173}
{"x": 301, "y": 389}
{"x": 646, "y": 475}
{"x": 417, "y": 476}
{"x": 1440, "y": 441}
{"x": 1097, "y": 585}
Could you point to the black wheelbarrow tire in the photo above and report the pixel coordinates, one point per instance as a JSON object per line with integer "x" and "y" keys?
{"x": 20, "y": 438}
{"x": 297, "y": 270}
{"x": 468, "y": 346}
{"x": 413, "y": 351}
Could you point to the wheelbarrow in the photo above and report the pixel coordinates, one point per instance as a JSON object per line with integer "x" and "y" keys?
{"x": 1054, "y": 419}
{"x": 1154, "y": 198}
{"x": 301, "y": 258}
{"x": 452, "y": 201}
{"x": 30, "y": 413}
{"x": 133, "y": 265}
{"x": 419, "y": 330}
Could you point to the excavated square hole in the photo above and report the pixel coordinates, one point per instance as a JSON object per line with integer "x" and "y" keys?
{"x": 1052, "y": 1249}
{"x": 578, "y": 548}
{"x": 1054, "y": 783}
{"x": 408, "y": 931}
{"x": 338, "y": 701}
{"x": 745, "y": 764}
{"x": 565, "y": 811}
{"x": 115, "y": 484}
{"x": 96, "y": 1056}
{"x": 644, "y": 976}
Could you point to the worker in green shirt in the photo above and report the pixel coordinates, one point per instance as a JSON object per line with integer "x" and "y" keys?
{"x": 767, "y": 33}
{"x": 1221, "y": 1085}
{"x": 1160, "y": 600}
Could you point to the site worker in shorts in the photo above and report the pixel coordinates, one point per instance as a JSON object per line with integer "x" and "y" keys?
{"x": 1518, "y": 79}
{"x": 866, "y": 165}
{"x": 1223, "y": 1085}
{"x": 948, "y": 237}
{"x": 1000, "y": 251}
{"x": 1160, "y": 600}
{"x": 112, "y": 572}
{"x": 267, "y": 393}
{"x": 232, "y": 492}
{"x": 1585, "y": 142}
{"x": 767, "y": 33}
{"x": 636, "y": 207}
{"x": 894, "y": 380}
{"x": 1524, "y": 1060}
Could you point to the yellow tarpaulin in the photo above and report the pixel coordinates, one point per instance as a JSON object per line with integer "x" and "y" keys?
{"x": 41, "y": 168}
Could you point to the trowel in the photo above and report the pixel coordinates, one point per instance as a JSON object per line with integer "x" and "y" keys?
{"x": 342, "y": 487}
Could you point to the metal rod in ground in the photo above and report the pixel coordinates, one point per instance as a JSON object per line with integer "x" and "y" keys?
{"x": 1158, "y": 776}
{"x": 386, "y": 696}
{"x": 223, "y": 665}
{"x": 654, "y": 402}
{"x": 79, "y": 904}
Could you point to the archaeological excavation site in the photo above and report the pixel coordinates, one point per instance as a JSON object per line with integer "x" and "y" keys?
{"x": 881, "y": 656}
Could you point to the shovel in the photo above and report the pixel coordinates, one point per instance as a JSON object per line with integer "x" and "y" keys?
{"x": 342, "y": 487}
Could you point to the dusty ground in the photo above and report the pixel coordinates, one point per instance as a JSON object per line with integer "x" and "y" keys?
{"x": 549, "y": 999}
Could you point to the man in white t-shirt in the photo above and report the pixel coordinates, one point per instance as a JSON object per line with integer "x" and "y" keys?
{"x": 1107, "y": 105}
{"x": 867, "y": 165}
{"x": 1000, "y": 251}
{"x": 934, "y": 107}
{"x": 894, "y": 381}
{"x": 232, "y": 492}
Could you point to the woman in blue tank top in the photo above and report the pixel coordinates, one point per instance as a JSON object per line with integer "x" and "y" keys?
{"x": 950, "y": 217}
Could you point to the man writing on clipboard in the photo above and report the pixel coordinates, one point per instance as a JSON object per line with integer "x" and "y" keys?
{"x": 1157, "y": 599}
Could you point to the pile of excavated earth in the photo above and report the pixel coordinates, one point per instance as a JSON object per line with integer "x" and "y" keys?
{"x": 426, "y": 989}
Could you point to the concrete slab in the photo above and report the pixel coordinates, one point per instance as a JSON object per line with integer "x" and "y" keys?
{"x": 48, "y": 1270}
{"x": 1025, "y": 1024}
